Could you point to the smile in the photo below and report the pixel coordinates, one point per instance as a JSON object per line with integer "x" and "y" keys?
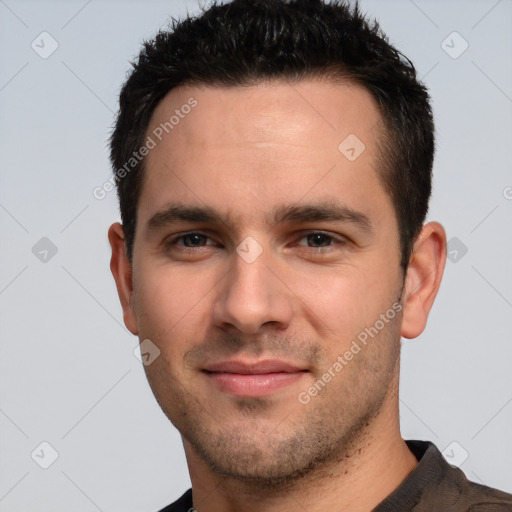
{"x": 253, "y": 380}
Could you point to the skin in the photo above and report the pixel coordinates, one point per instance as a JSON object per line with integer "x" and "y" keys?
{"x": 245, "y": 152}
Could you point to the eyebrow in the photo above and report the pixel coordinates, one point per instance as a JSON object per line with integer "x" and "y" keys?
{"x": 324, "y": 211}
{"x": 288, "y": 213}
{"x": 183, "y": 213}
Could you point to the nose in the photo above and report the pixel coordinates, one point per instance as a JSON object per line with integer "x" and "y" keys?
{"x": 252, "y": 295}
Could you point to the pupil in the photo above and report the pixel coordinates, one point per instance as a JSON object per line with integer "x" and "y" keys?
{"x": 194, "y": 239}
{"x": 319, "y": 239}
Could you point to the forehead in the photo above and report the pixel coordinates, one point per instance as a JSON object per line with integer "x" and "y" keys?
{"x": 268, "y": 112}
{"x": 246, "y": 145}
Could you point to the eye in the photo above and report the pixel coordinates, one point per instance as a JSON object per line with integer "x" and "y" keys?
{"x": 193, "y": 239}
{"x": 189, "y": 241}
{"x": 319, "y": 240}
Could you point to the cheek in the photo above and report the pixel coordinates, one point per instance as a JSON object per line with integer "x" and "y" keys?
{"x": 170, "y": 305}
{"x": 341, "y": 302}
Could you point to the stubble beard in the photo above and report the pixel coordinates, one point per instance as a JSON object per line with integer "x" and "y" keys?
{"x": 313, "y": 447}
{"x": 312, "y": 439}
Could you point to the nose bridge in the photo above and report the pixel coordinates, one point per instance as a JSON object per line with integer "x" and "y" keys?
{"x": 250, "y": 278}
{"x": 252, "y": 295}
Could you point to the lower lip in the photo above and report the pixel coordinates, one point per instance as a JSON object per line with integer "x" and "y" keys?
{"x": 253, "y": 385}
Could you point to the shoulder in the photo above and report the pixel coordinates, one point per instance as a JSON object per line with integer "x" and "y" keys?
{"x": 454, "y": 491}
{"x": 436, "y": 485}
{"x": 481, "y": 498}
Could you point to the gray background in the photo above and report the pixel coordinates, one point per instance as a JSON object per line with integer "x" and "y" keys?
{"x": 68, "y": 375}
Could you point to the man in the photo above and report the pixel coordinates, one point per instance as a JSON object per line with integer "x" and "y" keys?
{"x": 273, "y": 163}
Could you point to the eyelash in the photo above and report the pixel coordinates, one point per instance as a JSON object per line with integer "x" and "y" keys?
{"x": 172, "y": 243}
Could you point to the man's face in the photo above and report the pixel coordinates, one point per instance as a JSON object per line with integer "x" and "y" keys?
{"x": 253, "y": 303}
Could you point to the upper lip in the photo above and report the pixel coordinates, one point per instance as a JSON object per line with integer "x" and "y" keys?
{"x": 257, "y": 368}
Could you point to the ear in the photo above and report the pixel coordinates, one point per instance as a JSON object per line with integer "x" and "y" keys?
{"x": 122, "y": 271}
{"x": 423, "y": 278}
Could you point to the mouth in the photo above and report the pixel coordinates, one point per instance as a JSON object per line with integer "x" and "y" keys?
{"x": 259, "y": 379}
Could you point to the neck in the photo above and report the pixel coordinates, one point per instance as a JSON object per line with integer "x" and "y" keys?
{"x": 358, "y": 481}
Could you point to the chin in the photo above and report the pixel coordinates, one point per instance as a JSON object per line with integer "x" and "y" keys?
{"x": 260, "y": 459}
